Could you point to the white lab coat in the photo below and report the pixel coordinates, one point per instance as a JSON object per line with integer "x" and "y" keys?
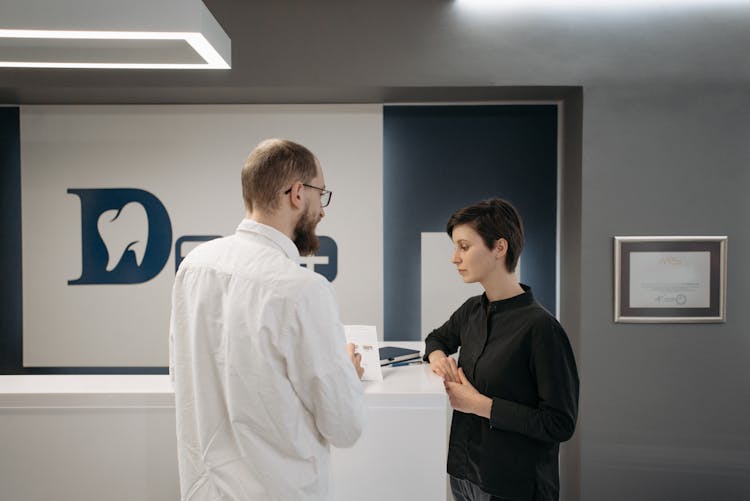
{"x": 263, "y": 384}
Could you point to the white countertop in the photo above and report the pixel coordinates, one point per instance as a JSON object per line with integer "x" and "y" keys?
{"x": 412, "y": 385}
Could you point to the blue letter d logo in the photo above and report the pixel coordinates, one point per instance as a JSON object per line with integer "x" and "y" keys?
{"x": 126, "y": 236}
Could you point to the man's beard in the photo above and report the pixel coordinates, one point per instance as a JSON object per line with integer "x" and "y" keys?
{"x": 304, "y": 234}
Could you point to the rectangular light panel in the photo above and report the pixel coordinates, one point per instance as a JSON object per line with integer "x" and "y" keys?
{"x": 168, "y": 34}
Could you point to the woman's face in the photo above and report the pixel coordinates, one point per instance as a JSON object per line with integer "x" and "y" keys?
{"x": 473, "y": 260}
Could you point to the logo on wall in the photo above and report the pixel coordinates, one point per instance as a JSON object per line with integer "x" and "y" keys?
{"x": 325, "y": 261}
{"x": 127, "y": 238}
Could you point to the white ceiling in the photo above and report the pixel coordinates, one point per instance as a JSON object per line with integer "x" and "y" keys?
{"x": 392, "y": 50}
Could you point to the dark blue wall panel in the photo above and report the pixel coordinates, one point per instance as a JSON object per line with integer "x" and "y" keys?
{"x": 10, "y": 250}
{"x": 440, "y": 158}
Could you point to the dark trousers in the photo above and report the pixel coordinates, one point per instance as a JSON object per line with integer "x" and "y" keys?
{"x": 463, "y": 490}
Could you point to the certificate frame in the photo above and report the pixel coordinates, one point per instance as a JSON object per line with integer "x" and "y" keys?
{"x": 670, "y": 301}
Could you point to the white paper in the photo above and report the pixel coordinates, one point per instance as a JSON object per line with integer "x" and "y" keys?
{"x": 670, "y": 279}
{"x": 365, "y": 340}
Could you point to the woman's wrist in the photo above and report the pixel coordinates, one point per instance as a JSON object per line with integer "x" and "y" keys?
{"x": 434, "y": 355}
{"x": 483, "y": 406}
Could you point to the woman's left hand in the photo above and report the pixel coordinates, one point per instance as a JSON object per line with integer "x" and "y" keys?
{"x": 465, "y": 398}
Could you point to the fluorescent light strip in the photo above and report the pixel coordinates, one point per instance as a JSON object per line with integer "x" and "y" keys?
{"x": 599, "y": 5}
{"x": 127, "y": 66}
{"x": 196, "y": 40}
{"x": 202, "y": 46}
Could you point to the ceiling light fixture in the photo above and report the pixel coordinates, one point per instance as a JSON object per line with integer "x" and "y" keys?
{"x": 137, "y": 34}
{"x": 600, "y": 5}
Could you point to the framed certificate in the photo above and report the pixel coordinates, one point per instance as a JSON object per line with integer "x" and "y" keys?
{"x": 670, "y": 279}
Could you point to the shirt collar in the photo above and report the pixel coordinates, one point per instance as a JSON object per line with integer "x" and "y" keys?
{"x": 524, "y": 299}
{"x": 272, "y": 234}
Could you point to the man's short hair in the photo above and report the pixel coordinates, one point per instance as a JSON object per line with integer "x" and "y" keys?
{"x": 493, "y": 219}
{"x": 271, "y": 168}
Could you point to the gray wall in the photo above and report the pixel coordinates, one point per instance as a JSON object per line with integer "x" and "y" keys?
{"x": 665, "y": 408}
{"x": 657, "y": 143}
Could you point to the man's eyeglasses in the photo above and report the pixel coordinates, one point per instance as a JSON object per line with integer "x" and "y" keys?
{"x": 325, "y": 195}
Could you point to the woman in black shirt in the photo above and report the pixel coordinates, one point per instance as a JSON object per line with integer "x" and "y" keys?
{"x": 514, "y": 390}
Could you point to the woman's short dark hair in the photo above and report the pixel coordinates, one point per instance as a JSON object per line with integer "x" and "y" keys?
{"x": 493, "y": 219}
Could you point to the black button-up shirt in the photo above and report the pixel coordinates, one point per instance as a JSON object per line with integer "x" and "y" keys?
{"x": 516, "y": 353}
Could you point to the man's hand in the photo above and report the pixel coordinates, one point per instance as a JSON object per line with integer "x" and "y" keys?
{"x": 356, "y": 359}
{"x": 465, "y": 398}
{"x": 444, "y": 366}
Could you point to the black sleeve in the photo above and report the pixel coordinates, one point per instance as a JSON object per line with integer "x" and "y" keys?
{"x": 448, "y": 336}
{"x": 554, "y": 367}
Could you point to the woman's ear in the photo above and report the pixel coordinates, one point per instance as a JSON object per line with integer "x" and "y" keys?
{"x": 501, "y": 247}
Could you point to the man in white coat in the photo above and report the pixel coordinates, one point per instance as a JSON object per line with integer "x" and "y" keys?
{"x": 263, "y": 382}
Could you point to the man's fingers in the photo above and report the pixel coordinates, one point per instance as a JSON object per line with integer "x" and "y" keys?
{"x": 356, "y": 359}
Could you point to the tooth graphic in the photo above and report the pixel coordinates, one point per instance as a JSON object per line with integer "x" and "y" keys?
{"x": 122, "y": 230}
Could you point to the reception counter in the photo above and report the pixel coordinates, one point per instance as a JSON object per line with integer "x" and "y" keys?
{"x": 113, "y": 437}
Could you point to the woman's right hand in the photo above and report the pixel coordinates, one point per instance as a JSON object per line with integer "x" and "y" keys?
{"x": 444, "y": 366}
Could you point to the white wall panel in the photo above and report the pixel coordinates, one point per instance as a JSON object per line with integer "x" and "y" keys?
{"x": 189, "y": 157}
{"x": 443, "y": 290}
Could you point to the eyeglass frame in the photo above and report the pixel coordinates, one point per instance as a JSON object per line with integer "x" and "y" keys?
{"x": 323, "y": 193}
